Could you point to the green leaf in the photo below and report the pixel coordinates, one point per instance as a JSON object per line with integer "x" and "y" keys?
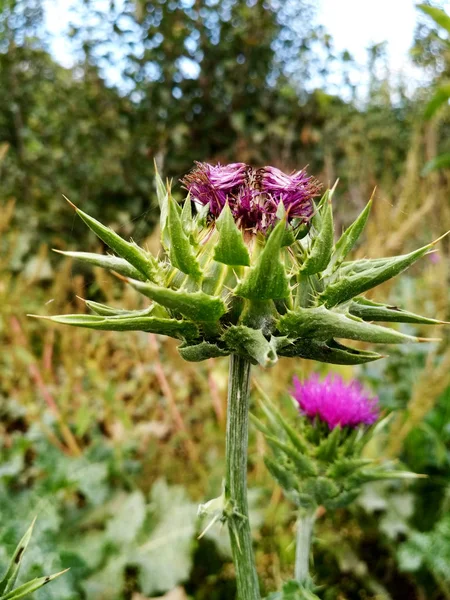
{"x": 230, "y": 249}
{"x": 319, "y": 254}
{"x": 141, "y": 260}
{"x": 350, "y": 236}
{"x": 181, "y": 253}
{"x": 322, "y": 324}
{"x": 170, "y": 327}
{"x": 440, "y": 97}
{"x": 328, "y": 352}
{"x": 440, "y": 162}
{"x": 127, "y": 520}
{"x": 110, "y": 311}
{"x": 267, "y": 280}
{"x": 356, "y": 277}
{"x": 374, "y": 311}
{"x": 30, "y": 587}
{"x": 196, "y": 306}
{"x": 250, "y": 343}
{"x": 438, "y": 15}
{"x": 106, "y": 261}
{"x": 202, "y": 351}
{"x": 10, "y": 576}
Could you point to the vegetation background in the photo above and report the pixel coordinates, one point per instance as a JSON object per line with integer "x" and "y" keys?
{"x": 110, "y": 439}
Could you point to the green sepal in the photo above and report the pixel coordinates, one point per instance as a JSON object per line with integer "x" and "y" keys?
{"x": 322, "y": 324}
{"x": 170, "y": 327}
{"x": 374, "y": 311}
{"x": 379, "y": 473}
{"x": 343, "y": 499}
{"x": 276, "y": 418}
{"x": 202, "y": 351}
{"x": 321, "y": 489}
{"x": 289, "y": 234}
{"x": 144, "y": 262}
{"x": 358, "y": 276}
{"x": 181, "y": 253}
{"x": 282, "y": 476}
{"x": 196, "y": 306}
{"x": 106, "y": 261}
{"x": 259, "y": 425}
{"x": 328, "y": 447}
{"x": 162, "y": 194}
{"x": 302, "y": 464}
{"x": 10, "y": 576}
{"x": 230, "y": 249}
{"x": 319, "y": 253}
{"x": 329, "y": 351}
{"x": 161, "y": 191}
{"x": 186, "y": 214}
{"x": 30, "y": 587}
{"x": 344, "y": 467}
{"x": 259, "y": 315}
{"x": 110, "y": 311}
{"x": 267, "y": 280}
{"x": 350, "y": 236}
{"x": 250, "y": 343}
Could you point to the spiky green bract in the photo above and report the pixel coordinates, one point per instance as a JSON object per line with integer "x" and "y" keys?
{"x": 230, "y": 249}
{"x": 222, "y": 289}
{"x": 7, "y": 583}
{"x": 317, "y": 466}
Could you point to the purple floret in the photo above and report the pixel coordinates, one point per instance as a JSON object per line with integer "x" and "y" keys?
{"x": 253, "y": 195}
{"x": 336, "y": 402}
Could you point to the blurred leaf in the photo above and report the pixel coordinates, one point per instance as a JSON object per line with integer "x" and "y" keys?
{"x": 440, "y": 162}
{"x": 165, "y": 557}
{"x": 438, "y": 15}
{"x": 440, "y": 97}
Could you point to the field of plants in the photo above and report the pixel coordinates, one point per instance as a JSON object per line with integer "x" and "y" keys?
{"x": 110, "y": 438}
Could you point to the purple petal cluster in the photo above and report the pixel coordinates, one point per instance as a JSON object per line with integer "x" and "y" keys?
{"x": 253, "y": 195}
{"x": 335, "y": 402}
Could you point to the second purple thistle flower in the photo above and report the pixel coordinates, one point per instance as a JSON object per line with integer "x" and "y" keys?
{"x": 253, "y": 195}
{"x": 335, "y": 402}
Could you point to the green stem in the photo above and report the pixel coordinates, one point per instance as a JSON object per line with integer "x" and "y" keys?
{"x": 305, "y": 524}
{"x": 236, "y": 479}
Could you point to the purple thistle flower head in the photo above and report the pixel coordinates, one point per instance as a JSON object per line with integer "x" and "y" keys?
{"x": 253, "y": 195}
{"x": 335, "y": 402}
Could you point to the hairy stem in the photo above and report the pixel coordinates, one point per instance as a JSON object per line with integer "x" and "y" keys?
{"x": 236, "y": 479}
{"x": 305, "y": 524}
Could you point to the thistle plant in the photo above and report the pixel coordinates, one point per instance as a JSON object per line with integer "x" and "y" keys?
{"x": 8, "y": 591}
{"x": 249, "y": 269}
{"x": 317, "y": 456}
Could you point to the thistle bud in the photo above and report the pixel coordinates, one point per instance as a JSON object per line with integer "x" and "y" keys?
{"x": 255, "y": 271}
